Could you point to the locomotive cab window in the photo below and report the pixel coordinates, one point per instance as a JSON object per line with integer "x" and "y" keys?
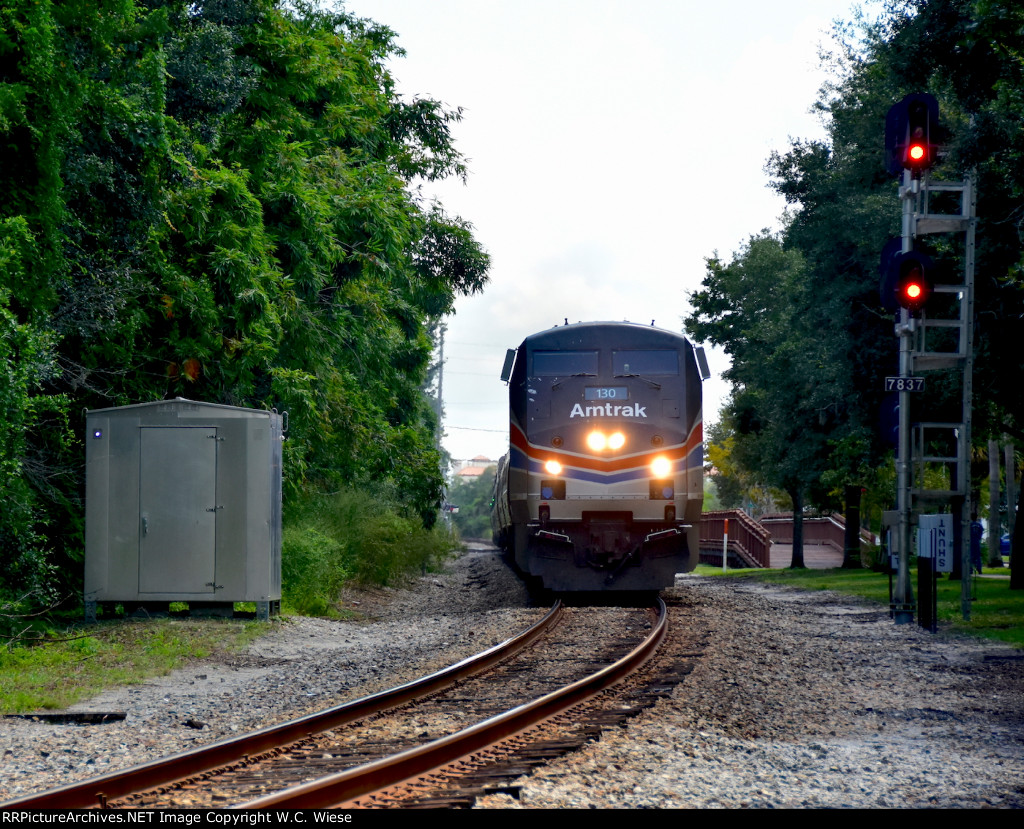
{"x": 564, "y": 363}
{"x": 645, "y": 363}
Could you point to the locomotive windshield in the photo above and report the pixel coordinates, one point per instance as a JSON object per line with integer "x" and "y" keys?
{"x": 626, "y": 363}
{"x": 564, "y": 363}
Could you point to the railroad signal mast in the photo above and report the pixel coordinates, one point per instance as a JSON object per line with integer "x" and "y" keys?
{"x": 908, "y": 283}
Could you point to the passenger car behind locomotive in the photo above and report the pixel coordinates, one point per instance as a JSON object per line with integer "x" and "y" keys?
{"x": 602, "y": 486}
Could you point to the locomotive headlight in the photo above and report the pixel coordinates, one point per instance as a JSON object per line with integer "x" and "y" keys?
{"x": 661, "y": 467}
{"x": 598, "y": 441}
{"x": 553, "y": 468}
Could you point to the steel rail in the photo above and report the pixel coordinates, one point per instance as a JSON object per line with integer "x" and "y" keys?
{"x": 165, "y": 772}
{"x": 343, "y": 788}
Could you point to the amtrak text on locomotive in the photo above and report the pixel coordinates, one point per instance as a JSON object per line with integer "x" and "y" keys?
{"x": 608, "y": 410}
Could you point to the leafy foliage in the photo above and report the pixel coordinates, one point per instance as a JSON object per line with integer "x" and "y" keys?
{"x": 802, "y": 310}
{"x": 473, "y": 497}
{"x": 216, "y": 201}
{"x": 731, "y": 485}
{"x": 352, "y": 535}
{"x": 784, "y": 399}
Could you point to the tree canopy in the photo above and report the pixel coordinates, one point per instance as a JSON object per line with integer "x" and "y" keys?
{"x": 800, "y": 313}
{"x": 215, "y": 200}
{"x": 473, "y": 498}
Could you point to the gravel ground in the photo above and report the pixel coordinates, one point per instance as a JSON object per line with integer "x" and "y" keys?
{"x": 303, "y": 666}
{"x": 808, "y": 700}
{"x": 801, "y": 700}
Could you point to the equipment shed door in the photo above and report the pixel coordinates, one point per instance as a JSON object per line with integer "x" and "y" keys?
{"x": 177, "y": 509}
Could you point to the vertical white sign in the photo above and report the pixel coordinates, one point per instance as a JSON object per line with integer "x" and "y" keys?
{"x": 935, "y": 541}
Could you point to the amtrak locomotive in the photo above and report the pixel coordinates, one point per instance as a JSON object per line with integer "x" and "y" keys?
{"x": 602, "y": 486}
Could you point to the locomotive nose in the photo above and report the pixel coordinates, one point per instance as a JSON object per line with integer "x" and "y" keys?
{"x": 604, "y": 434}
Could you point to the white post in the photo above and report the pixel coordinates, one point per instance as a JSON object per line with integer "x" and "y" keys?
{"x": 725, "y": 547}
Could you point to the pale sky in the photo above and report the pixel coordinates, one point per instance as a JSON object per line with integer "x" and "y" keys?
{"x": 612, "y": 148}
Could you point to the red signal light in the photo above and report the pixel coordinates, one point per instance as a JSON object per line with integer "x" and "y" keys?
{"x": 918, "y": 157}
{"x": 913, "y": 288}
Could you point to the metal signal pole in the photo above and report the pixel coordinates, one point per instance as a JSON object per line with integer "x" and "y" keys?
{"x": 911, "y": 150}
{"x": 917, "y": 356}
{"x": 903, "y": 596}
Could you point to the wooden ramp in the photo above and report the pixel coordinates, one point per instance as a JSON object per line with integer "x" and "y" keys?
{"x": 816, "y": 556}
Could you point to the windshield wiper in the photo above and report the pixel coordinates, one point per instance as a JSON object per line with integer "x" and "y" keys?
{"x": 641, "y": 377}
{"x": 557, "y": 383}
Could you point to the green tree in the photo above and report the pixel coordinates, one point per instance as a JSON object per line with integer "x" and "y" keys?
{"x": 786, "y": 398}
{"x": 735, "y": 486}
{"x": 217, "y": 201}
{"x": 843, "y": 204}
{"x": 473, "y": 497}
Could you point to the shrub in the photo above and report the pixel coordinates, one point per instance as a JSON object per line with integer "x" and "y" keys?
{"x": 353, "y": 536}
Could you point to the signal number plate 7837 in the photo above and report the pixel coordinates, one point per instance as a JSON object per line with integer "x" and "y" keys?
{"x": 904, "y": 384}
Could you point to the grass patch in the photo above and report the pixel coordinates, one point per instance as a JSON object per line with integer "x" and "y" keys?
{"x": 996, "y": 611}
{"x": 56, "y": 674}
{"x": 327, "y": 541}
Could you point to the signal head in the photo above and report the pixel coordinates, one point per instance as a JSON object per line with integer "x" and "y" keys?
{"x": 911, "y": 129}
{"x": 918, "y": 153}
{"x": 913, "y": 281}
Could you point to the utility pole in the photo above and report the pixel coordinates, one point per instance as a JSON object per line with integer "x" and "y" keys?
{"x": 446, "y": 515}
{"x": 440, "y": 386}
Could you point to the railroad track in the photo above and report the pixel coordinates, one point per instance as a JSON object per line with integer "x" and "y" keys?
{"x": 444, "y": 726}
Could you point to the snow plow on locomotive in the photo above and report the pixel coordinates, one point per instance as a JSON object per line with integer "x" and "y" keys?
{"x": 602, "y": 487}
